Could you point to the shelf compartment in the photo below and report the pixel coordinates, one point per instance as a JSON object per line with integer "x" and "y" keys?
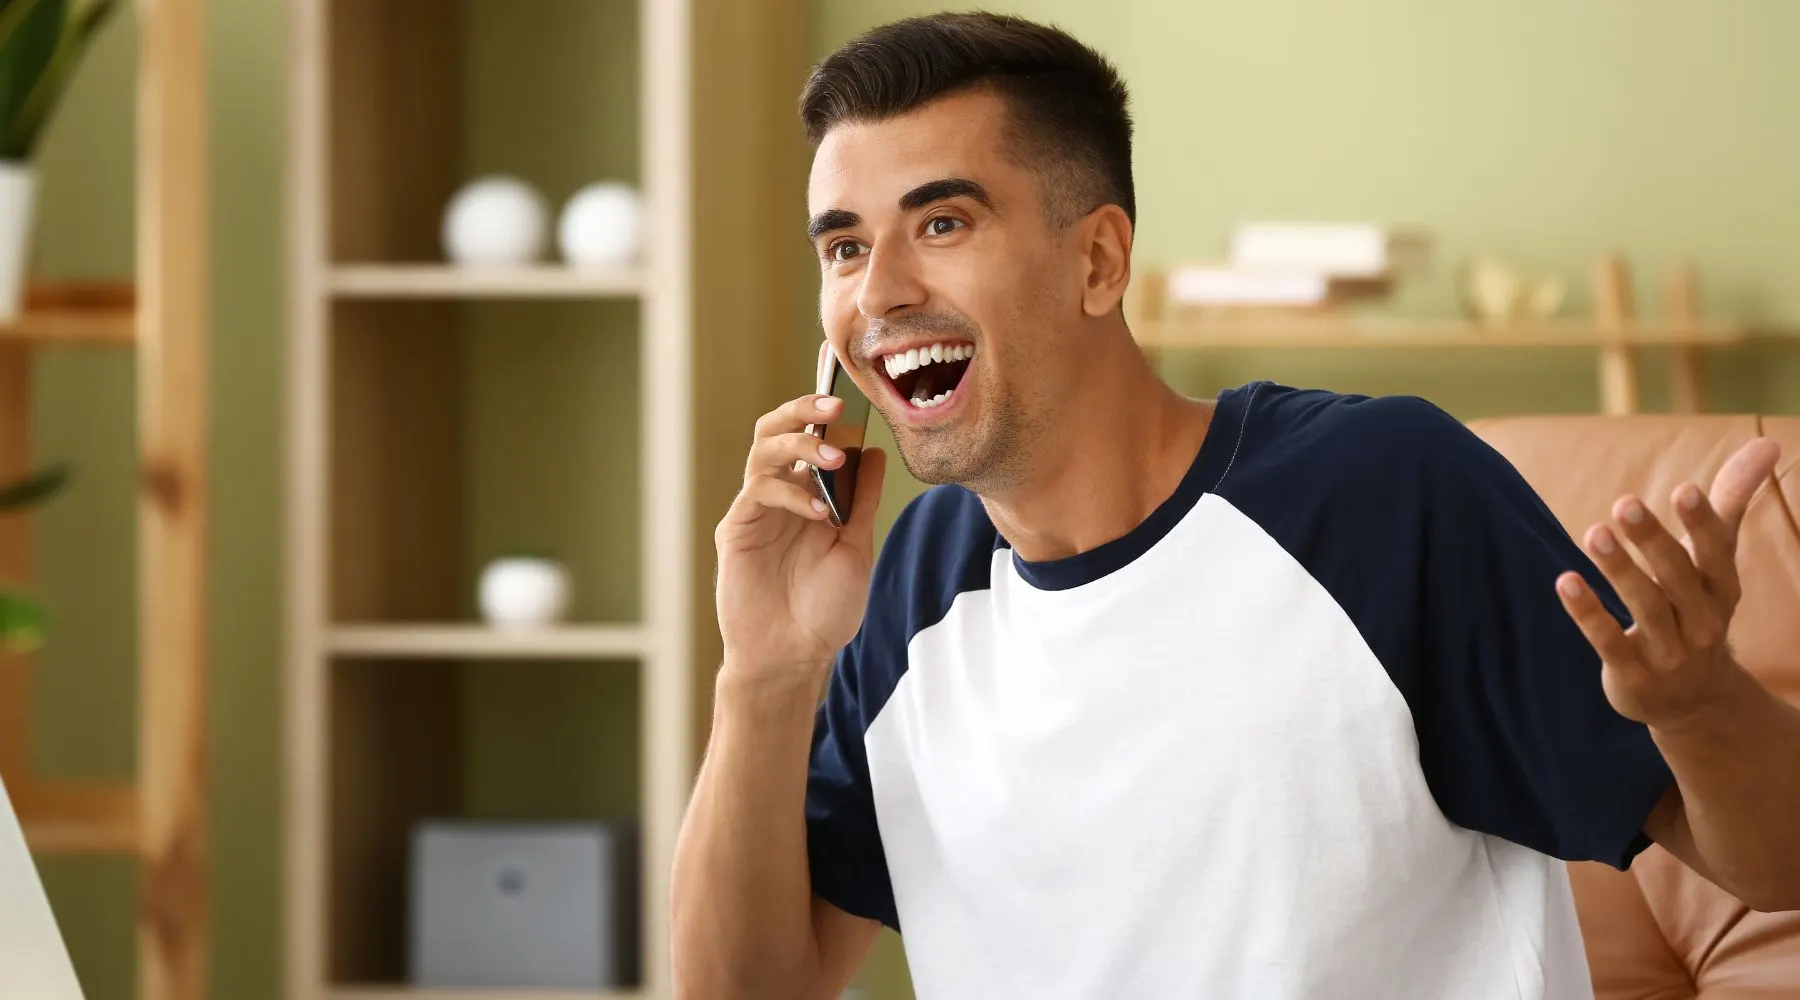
{"x": 475, "y": 641}
{"x": 380, "y": 991}
{"x": 462, "y": 432}
{"x": 442, "y": 281}
{"x": 415, "y": 739}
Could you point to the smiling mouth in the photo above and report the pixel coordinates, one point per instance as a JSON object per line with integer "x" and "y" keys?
{"x": 928, "y": 375}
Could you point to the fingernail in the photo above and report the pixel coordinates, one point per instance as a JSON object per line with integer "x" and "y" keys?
{"x": 827, "y": 402}
{"x": 1603, "y": 540}
{"x": 1690, "y": 497}
{"x": 1634, "y": 512}
{"x": 829, "y": 454}
{"x": 818, "y": 505}
{"x": 1570, "y": 587}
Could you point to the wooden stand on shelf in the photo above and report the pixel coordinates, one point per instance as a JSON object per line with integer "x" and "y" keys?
{"x": 161, "y": 818}
{"x": 1614, "y": 333}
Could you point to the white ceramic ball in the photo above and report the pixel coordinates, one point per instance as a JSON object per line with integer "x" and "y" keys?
{"x": 524, "y": 592}
{"x": 496, "y": 220}
{"x": 601, "y": 226}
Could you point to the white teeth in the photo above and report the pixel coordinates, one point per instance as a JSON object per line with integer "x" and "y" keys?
{"x": 918, "y": 357}
{"x": 937, "y": 400}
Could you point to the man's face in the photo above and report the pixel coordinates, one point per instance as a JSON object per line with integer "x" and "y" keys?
{"x": 944, "y": 289}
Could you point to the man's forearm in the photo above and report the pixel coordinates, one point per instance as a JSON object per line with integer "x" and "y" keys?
{"x": 741, "y": 896}
{"x": 1737, "y": 764}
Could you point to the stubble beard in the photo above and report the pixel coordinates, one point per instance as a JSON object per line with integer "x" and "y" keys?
{"x": 986, "y": 457}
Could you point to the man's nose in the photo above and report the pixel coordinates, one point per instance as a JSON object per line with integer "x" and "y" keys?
{"x": 890, "y": 281}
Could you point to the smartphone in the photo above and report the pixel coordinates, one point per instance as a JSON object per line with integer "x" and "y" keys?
{"x": 837, "y": 486}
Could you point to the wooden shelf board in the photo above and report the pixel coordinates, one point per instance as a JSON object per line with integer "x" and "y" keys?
{"x": 104, "y": 327}
{"x": 78, "y": 819}
{"x": 402, "y": 992}
{"x": 446, "y": 281}
{"x": 473, "y": 641}
{"x": 1351, "y": 334}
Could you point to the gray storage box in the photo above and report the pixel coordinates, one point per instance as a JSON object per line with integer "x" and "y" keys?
{"x": 524, "y": 906}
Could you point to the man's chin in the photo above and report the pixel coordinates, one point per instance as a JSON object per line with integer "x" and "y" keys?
{"x": 934, "y": 464}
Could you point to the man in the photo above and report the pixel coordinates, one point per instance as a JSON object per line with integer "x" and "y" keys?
{"x": 1284, "y": 694}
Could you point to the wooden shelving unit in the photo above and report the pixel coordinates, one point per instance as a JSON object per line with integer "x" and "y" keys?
{"x": 160, "y": 818}
{"x": 393, "y": 357}
{"x": 1613, "y": 333}
{"x": 434, "y": 411}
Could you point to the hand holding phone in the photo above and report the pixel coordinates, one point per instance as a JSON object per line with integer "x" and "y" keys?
{"x": 794, "y": 557}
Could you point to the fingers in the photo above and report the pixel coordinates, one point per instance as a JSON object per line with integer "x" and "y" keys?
{"x": 1649, "y": 606}
{"x": 1712, "y": 543}
{"x": 773, "y": 492}
{"x": 1596, "y": 623}
{"x": 780, "y": 453}
{"x": 790, "y": 419}
{"x": 1694, "y": 608}
{"x": 1740, "y": 477}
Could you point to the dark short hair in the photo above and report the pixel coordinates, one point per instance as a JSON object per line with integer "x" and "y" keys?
{"x": 1069, "y": 107}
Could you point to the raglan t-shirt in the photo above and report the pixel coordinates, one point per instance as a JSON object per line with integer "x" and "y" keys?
{"x": 1318, "y": 727}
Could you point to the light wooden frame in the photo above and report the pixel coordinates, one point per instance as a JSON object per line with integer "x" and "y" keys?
{"x": 161, "y": 818}
{"x": 360, "y": 240}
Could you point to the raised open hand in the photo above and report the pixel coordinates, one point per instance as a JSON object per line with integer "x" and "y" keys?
{"x": 1681, "y": 595}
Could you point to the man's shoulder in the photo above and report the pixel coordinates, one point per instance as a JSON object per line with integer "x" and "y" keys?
{"x": 1317, "y": 439}
{"x": 1394, "y": 424}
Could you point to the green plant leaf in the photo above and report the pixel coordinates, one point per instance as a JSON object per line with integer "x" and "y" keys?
{"x": 35, "y": 488}
{"x": 41, "y": 100}
{"x": 13, "y": 14}
{"x": 25, "y": 54}
{"x": 21, "y": 624}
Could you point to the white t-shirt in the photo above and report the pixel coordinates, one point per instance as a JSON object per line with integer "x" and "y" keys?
{"x": 1319, "y": 727}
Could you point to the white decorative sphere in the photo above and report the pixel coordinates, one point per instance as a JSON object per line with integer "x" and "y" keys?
{"x": 601, "y": 226}
{"x": 496, "y": 220}
{"x": 524, "y": 592}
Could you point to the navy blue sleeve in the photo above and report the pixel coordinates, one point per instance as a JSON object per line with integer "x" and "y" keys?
{"x": 849, "y": 868}
{"x": 1516, "y": 735}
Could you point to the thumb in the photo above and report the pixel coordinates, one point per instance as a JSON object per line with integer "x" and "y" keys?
{"x": 1741, "y": 476}
{"x": 859, "y": 531}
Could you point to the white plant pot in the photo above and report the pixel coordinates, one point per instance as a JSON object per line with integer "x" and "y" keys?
{"x": 18, "y": 210}
{"x": 524, "y": 592}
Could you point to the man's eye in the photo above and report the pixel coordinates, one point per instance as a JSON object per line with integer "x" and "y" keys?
{"x": 942, "y": 225}
{"x": 843, "y": 250}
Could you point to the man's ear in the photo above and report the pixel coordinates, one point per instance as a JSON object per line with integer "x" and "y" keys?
{"x": 1105, "y": 237}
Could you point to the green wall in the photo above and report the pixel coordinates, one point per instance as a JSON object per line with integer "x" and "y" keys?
{"x": 1542, "y": 131}
{"x": 1545, "y": 131}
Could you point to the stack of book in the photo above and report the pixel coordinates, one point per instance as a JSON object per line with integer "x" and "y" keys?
{"x": 1300, "y": 266}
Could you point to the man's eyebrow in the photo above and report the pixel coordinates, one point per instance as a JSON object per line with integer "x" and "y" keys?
{"x": 829, "y": 220}
{"x": 943, "y": 190}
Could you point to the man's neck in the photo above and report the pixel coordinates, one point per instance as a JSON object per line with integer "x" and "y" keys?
{"x": 1135, "y": 440}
